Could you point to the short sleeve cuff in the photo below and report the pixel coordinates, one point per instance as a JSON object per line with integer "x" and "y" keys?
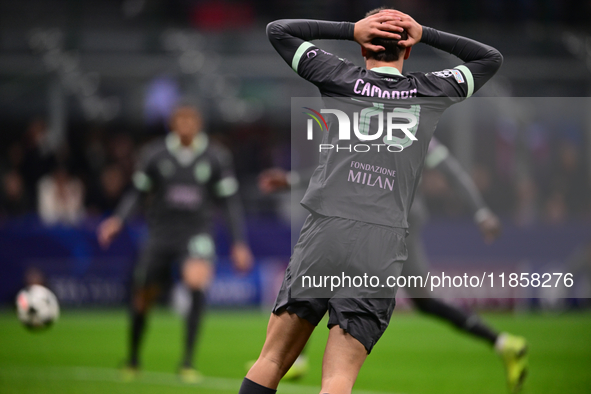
{"x": 226, "y": 187}
{"x": 469, "y": 79}
{"x": 142, "y": 181}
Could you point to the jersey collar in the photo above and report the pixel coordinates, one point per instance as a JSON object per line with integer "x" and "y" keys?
{"x": 198, "y": 145}
{"x": 386, "y": 70}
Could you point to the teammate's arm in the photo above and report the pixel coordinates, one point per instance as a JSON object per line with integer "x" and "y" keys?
{"x": 273, "y": 180}
{"x": 290, "y": 38}
{"x": 277, "y": 179}
{"x": 234, "y": 212}
{"x": 240, "y": 253}
{"x": 142, "y": 183}
{"x": 226, "y": 190}
{"x": 111, "y": 227}
{"x": 440, "y": 159}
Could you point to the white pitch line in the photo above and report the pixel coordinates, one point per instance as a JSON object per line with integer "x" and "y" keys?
{"x": 93, "y": 374}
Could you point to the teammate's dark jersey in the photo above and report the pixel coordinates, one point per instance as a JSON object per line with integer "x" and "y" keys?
{"x": 184, "y": 182}
{"x": 377, "y": 187}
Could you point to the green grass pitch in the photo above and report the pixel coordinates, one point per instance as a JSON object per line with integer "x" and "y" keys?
{"x": 81, "y": 352}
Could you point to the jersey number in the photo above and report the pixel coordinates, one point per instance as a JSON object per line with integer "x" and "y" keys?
{"x": 410, "y": 127}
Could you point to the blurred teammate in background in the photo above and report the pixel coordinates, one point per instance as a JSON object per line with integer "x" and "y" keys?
{"x": 512, "y": 349}
{"x": 185, "y": 174}
{"x": 351, "y": 223}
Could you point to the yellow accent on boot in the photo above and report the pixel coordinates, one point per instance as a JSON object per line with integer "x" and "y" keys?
{"x": 190, "y": 375}
{"x": 129, "y": 373}
{"x": 513, "y": 351}
{"x": 298, "y": 369}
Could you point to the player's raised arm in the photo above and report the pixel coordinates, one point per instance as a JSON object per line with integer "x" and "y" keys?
{"x": 290, "y": 37}
{"x": 481, "y": 61}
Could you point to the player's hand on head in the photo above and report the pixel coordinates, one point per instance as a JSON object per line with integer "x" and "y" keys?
{"x": 406, "y": 22}
{"x": 490, "y": 227}
{"x": 272, "y": 180}
{"x": 108, "y": 230}
{"x": 241, "y": 257}
{"x": 376, "y": 26}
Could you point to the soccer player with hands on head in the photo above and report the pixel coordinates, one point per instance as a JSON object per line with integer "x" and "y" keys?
{"x": 352, "y": 224}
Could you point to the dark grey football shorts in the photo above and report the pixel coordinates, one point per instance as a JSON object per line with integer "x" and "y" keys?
{"x": 157, "y": 257}
{"x": 417, "y": 265}
{"x": 338, "y": 246}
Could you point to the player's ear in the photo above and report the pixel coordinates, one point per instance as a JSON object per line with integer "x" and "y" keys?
{"x": 363, "y": 52}
{"x": 407, "y": 53}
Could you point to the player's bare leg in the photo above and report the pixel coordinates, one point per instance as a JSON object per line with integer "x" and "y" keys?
{"x": 287, "y": 335}
{"x": 343, "y": 358}
{"x": 197, "y": 275}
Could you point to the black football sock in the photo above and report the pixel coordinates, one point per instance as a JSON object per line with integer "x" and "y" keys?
{"x": 464, "y": 321}
{"x": 250, "y": 387}
{"x": 138, "y": 324}
{"x": 192, "y": 328}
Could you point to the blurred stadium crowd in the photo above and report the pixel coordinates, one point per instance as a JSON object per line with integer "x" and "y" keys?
{"x": 64, "y": 185}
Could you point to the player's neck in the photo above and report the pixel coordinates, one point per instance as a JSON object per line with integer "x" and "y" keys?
{"x": 372, "y": 63}
{"x": 187, "y": 141}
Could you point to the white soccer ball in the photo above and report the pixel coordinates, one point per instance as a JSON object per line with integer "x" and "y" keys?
{"x": 37, "y": 307}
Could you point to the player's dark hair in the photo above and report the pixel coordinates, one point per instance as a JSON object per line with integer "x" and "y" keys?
{"x": 184, "y": 106}
{"x": 392, "y": 49}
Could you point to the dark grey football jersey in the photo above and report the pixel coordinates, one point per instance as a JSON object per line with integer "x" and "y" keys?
{"x": 183, "y": 183}
{"x": 376, "y": 185}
